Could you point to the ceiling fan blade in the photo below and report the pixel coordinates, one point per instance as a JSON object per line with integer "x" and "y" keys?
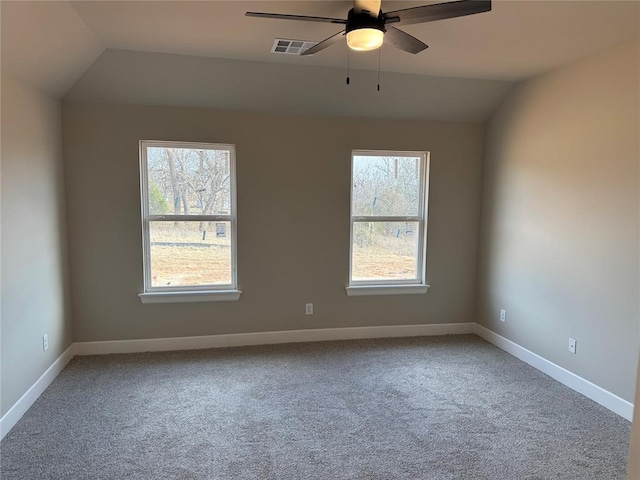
{"x": 305, "y": 18}
{"x": 438, "y": 11}
{"x": 372, "y": 7}
{"x": 327, "y": 42}
{"x": 403, "y": 40}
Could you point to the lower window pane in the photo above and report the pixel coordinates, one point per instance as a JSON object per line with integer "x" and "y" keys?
{"x": 190, "y": 253}
{"x": 385, "y": 251}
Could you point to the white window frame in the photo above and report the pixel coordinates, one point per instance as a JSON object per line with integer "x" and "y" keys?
{"x": 187, "y": 293}
{"x": 415, "y": 285}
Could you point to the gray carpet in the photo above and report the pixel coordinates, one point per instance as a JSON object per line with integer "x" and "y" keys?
{"x": 419, "y": 408}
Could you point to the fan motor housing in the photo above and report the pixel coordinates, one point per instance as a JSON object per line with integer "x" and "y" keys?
{"x": 356, "y": 21}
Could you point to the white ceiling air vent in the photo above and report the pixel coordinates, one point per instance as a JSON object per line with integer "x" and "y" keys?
{"x": 291, "y": 47}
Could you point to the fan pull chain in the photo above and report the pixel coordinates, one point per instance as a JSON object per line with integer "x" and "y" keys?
{"x": 348, "y": 80}
{"x": 379, "y": 53}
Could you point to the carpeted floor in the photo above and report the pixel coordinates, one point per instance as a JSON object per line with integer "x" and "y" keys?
{"x": 417, "y": 408}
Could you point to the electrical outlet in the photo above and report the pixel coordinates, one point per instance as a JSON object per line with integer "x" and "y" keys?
{"x": 45, "y": 342}
{"x": 572, "y": 345}
{"x": 503, "y": 315}
{"x": 308, "y": 310}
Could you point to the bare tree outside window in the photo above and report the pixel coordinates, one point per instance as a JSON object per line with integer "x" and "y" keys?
{"x": 188, "y": 215}
{"x": 388, "y": 217}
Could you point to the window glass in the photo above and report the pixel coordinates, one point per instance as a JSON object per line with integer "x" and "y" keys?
{"x": 388, "y": 218}
{"x": 189, "y": 218}
{"x": 385, "y": 186}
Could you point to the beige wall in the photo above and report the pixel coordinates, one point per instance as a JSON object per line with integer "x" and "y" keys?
{"x": 293, "y": 220}
{"x": 633, "y": 470}
{"x": 34, "y": 245}
{"x": 559, "y": 242}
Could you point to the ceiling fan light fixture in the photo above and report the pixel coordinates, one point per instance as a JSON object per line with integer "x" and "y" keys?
{"x": 367, "y": 26}
{"x": 364, "y": 39}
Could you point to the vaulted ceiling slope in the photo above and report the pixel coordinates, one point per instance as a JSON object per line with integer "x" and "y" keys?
{"x": 516, "y": 40}
{"x": 120, "y": 76}
{"x": 209, "y": 54}
{"x": 46, "y": 44}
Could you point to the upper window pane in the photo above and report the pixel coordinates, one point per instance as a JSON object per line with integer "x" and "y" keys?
{"x": 385, "y": 185}
{"x": 186, "y": 181}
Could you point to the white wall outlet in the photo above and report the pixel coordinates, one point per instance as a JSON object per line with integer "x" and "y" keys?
{"x": 45, "y": 342}
{"x": 572, "y": 345}
{"x": 503, "y": 315}
{"x": 308, "y": 309}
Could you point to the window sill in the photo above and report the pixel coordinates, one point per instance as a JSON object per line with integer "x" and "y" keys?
{"x": 190, "y": 297}
{"x": 360, "y": 290}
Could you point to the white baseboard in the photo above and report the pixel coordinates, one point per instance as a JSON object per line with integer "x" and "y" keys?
{"x": 577, "y": 383}
{"x": 268, "y": 338}
{"x": 590, "y": 390}
{"x": 19, "y": 408}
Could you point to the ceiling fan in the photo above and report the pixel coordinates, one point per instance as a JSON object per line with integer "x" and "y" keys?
{"x": 367, "y": 27}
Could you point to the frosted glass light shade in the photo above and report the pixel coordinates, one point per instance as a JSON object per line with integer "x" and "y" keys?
{"x": 365, "y": 39}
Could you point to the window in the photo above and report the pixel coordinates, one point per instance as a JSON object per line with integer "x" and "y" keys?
{"x": 388, "y": 222}
{"x": 188, "y": 222}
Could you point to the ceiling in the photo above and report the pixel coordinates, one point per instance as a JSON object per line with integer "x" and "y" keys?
{"x": 53, "y": 43}
{"x": 46, "y": 44}
{"x": 161, "y": 79}
{"x": 516, "y": 40}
